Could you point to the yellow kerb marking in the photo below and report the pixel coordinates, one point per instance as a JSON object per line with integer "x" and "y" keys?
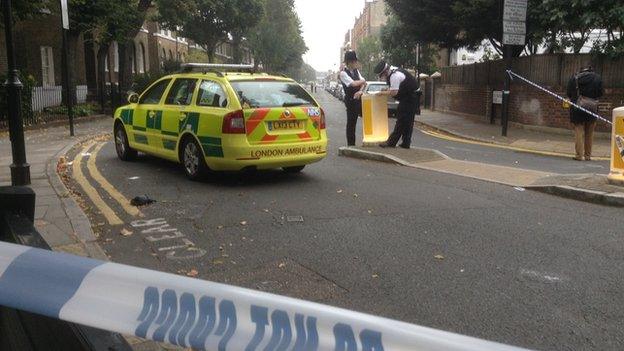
{"x": 513, "y": 148}
{"x": 106, "y": 211}
{"x": 108, "y": 187}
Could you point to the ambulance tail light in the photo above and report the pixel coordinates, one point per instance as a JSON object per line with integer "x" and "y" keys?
{"x": 234, "y": 123}
{"x": 323, "y": 126}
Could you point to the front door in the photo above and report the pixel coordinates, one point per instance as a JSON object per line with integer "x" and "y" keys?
{"x": 148, "y": 116}
{"x": 178, "y": 100}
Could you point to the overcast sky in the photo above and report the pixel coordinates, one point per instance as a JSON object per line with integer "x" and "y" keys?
{"x": 325, "y": 23}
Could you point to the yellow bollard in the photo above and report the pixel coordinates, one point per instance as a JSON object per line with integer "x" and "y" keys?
{"x": 617, "y": 158}
{"x": 375, "y": 115}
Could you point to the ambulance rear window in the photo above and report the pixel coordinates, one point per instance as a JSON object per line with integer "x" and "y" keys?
{"x": 267, "y": 94}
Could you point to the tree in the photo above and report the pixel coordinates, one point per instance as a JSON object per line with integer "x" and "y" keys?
{"x": 203, "y": 21}
{"x": 369, "y": 54}
{"x": 277, "y": 40}
{"x": 244, "y": 16}
{"x": 26, "y": 9}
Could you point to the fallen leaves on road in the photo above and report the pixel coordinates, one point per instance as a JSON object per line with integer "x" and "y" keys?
{"x": 375, "y": 275}
{"x": 217, "y": 261}
{"x": 355, "y": 195}
{"x": 439, "y": 257}
{"x": 339, "y": 191}
{"x": 243, "y": 223}
{"x": 125, "y": 232}
{"x": 192, "y": 273}
{"x": 281, "y": 265}
{"x": 370, "y": 211}
{"x": 219, "y": 227}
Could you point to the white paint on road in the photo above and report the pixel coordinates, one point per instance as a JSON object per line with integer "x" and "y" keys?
{"x": 160, "y": 231}
{"x": 545, "y": 277}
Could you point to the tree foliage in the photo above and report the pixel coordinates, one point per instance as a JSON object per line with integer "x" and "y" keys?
{"x": 369, "y": 52}
{"x": 400, "y": 47}
{"x": 558, "y": 24}
{"x": 277, "y": 40}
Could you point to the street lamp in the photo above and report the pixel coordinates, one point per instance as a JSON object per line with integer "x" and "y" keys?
{"x": 20, "y": 169}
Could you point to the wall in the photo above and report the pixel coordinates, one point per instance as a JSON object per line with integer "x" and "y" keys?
{"x": 467, "y": 89}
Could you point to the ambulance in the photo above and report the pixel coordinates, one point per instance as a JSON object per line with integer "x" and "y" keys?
{"x": 215, "y": 117}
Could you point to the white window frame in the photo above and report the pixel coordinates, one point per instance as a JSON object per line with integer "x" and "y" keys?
{"x": 47, "y": 66}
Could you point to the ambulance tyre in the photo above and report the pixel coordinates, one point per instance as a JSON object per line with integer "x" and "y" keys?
{"x": 192, "y": 158}
{"x": 124, "y": 151}
{"x": 295, "y": 169}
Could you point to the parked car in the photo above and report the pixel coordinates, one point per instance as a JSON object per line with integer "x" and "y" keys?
{"x": 379, "y": 86}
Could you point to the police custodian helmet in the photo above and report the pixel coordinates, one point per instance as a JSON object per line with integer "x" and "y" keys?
{"x": 350, "y": 56}
{"x": 381, "y": 67}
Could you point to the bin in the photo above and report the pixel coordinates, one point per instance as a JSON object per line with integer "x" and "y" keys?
{"x": 617, "y": 144}
{"x": 375, "y": 115}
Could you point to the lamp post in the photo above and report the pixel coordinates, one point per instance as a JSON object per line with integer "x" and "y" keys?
{"x": 69, "y": 98}
{"x": 20, "y": 169}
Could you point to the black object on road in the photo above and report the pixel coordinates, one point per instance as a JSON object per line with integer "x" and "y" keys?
{"x": 142, "y": 201}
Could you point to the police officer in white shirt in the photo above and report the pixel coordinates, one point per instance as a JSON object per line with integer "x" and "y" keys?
{"x": 404, "y": 88}
{"x": 353, "y": 84}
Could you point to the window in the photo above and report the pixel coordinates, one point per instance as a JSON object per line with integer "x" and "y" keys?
{"x": 47, "y": 66}
{"x": 153, "y": 95}
{"x": 261, "y": 94}
{"x": 115, "y": 48}
{"x": 143, "y": 67}
{"x": 211, "y": 94}
{"x": 181, "y": 92}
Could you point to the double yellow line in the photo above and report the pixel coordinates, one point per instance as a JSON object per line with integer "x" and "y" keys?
{"x": 92, "y": 193}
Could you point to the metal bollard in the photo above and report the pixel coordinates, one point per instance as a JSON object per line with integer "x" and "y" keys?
{"x": 617, "y": 144}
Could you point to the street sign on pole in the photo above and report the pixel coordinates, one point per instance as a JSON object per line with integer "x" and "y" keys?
{"x": 514, "y": 27}
{"x": 65, "y": 14}
{"x": 514, "y": 39}
{"x": 515, "y": 10}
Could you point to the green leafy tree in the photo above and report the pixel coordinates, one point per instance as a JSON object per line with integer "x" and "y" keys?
{"x": 203, "y": 21}
{"x": 26, "y": 9}
{"x": 277, "y": 40}
{"x": 244, "y": 16}
{"x": 369, "y": 54}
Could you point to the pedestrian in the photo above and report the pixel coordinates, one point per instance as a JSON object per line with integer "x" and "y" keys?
{"x": 403, "y": 86}
{"x": 584, "y": 89}
{"x": 353, "y": 84}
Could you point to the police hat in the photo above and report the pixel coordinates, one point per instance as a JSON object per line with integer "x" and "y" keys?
{"x": 381, "y": 67}
{"x": 350, "y": 56}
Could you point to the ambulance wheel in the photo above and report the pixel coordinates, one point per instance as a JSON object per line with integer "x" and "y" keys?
{"x": 193, "y": 160}
{"x": 295, "y": 169}
{"x": 124, "y": 151}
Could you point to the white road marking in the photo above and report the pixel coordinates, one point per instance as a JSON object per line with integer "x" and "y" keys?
{"x": 545, "y": 277}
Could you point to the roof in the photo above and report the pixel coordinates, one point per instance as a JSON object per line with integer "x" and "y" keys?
{"x": 230, "y": 76}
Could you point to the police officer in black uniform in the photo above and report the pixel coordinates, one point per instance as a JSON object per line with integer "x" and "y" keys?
{"x": 353, "y": 84}
{"x": 404, "y": 87}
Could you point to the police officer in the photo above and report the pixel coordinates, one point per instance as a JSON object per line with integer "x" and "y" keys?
{"x": 353, "y": 84}
{"x": 404, "y": 87}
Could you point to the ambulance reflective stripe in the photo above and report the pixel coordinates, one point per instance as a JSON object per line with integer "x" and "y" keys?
{"x": 200, "y": 314}
{"x": 212, "y": 146}
{"x": 154, "y": 120}
{"x": 256, "y": 117}
{"x": 127, "y": 117}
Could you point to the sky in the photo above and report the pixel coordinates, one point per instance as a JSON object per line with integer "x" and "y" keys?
{"x": 325, "y": 23}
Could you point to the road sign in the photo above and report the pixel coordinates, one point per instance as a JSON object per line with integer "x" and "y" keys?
{"x": 65, "y": 14}
{"x": 513, "y": 39}
{"x": 514, "y": 27}
{"x": 515, "y": 10}
{"x": 497, "y": 97}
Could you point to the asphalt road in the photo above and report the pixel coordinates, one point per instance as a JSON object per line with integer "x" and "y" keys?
{"x": 512, "y": 266}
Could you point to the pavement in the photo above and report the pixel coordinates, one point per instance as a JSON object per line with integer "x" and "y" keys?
{"x": 59, "y": 218}
{"x": 549, "y": 141}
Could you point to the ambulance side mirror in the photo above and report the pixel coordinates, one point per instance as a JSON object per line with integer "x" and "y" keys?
{"x": 133, "y": 98}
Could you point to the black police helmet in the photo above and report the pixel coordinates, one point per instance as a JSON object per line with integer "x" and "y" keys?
{"x": 381, "y": 66}
{"x": 350, "y": 56}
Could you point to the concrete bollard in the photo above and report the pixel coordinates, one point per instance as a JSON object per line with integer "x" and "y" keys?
{"x": 617, "y": 155}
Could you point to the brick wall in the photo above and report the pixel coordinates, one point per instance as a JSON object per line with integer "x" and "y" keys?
{"x": 468, "y": 89}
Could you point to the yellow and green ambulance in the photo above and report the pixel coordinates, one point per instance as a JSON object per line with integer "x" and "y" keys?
{"x": 223, "y": 118}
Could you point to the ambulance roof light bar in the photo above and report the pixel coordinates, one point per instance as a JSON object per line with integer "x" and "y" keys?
{"x": 217, "y": 68}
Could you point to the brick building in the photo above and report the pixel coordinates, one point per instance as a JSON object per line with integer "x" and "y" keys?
{"x": 369, "y": 23}
{"x": 38, "y": 45}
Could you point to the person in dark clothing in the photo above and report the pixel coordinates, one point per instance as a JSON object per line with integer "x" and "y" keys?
{"x": 586, "y": 84}
{"x": 353, "y": 84}
{"x": 404, "y": 88}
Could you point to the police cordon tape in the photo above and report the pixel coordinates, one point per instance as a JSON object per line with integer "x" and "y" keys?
{"x": 199, "y": 314}
{"x": 513, "y": 74}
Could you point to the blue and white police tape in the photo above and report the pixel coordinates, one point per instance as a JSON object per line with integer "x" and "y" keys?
{"x": 513, "y": 74}
{"x": 199, "y": 314}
